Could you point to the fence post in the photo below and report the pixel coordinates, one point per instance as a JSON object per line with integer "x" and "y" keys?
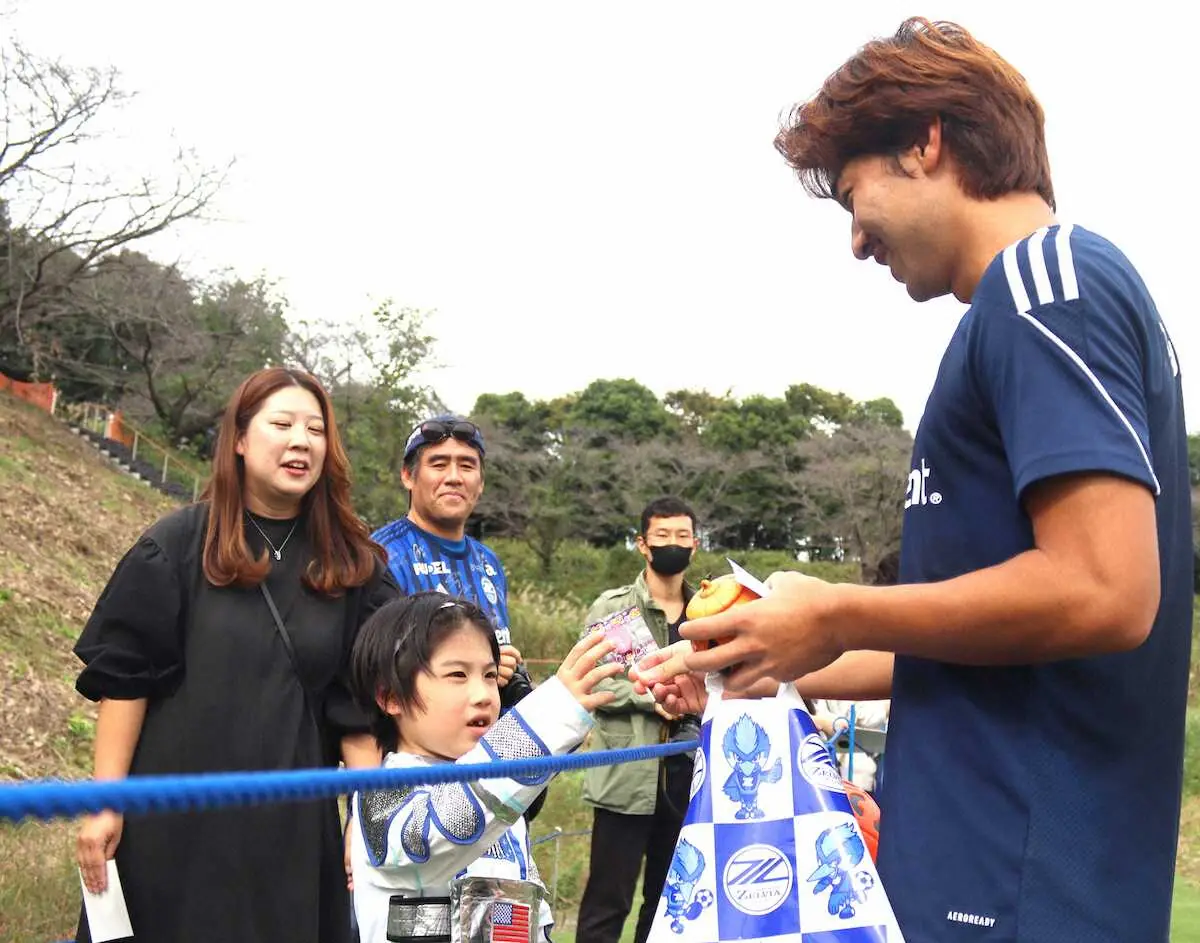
{"x": 195, "y": 488}
{"x": 166, "y": 462}
{"x": 554, "y": 871}
{"x": 136, "y": 436}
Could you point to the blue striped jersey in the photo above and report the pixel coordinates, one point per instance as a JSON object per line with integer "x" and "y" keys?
{"x": 423, "y": 562}
{"x": 1042, "y": 801}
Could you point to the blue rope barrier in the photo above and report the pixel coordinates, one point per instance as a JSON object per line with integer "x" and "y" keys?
{"x": 49, "y": 799}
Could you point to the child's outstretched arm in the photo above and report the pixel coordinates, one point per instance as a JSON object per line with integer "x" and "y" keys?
{"x": 421, "y": 835}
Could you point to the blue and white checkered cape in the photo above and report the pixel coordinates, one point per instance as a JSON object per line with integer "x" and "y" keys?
{"x": 769, "y": 849}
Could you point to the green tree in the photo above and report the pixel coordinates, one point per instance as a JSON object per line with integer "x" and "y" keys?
{"x": 539, "y": 494}
{"x": 695, "y": 408}
{"x": 528, "y": 423}
{"x": 818, "y": 405}
{"x": 170, "y": 350}
{"x": 880, "y": 412}
{"x": 583, "y": 465}
{"x": 757, "y": 422}
{"x": 624, "y": 409}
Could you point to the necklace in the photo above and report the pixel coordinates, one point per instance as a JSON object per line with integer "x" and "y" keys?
{"x": 278, "y": 551}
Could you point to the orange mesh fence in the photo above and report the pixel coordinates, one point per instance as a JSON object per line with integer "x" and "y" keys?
{"x": 39, "y": 394}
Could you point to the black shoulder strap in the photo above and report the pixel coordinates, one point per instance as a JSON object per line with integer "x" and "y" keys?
{"x": 287, "y": 643}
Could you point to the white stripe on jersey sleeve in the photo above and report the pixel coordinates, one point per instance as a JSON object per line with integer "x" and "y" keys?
{"x": 1095, "y": 380}
{"x": 1015, "y": 284}
{"x": 1039, "y": 265}
{"x": 1037, "y": 262}
{"x": 1066, "y": 262}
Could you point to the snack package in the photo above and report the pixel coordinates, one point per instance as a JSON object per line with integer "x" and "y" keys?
{"x": 770, "y": 848}
{"x": 627, "y": 630}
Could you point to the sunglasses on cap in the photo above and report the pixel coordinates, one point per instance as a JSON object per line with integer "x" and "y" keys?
{"x": 437, "y": 430}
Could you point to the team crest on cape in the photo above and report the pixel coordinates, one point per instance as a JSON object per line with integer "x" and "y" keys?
{"x": 489, "y": 590}
{"x": 757, "y": 879}
{"x": 697, "y": 774}
{"x": 812, "y": 759}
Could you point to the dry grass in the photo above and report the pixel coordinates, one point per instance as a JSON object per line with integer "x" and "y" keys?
{"x": 65, "y": 520}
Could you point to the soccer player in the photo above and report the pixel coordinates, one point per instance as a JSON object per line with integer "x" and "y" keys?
{"x": 1037, "y": 652}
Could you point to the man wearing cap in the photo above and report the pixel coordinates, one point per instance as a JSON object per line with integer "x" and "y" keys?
{"x": 429, "y": 550}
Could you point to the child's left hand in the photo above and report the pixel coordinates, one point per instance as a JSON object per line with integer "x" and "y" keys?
{"x": 580, "y": 672}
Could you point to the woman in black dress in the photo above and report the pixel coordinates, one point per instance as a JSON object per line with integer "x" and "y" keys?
{"x": 193, "y": 675}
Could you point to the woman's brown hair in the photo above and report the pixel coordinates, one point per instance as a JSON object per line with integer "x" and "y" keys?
{"x": 884, "y": 99}
{"x": 343, "y": 553}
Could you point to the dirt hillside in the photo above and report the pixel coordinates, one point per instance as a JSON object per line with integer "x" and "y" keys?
{"x": 66, "y": 517}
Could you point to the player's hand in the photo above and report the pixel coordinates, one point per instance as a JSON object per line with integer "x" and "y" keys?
{"x": 580, "y": 671}
{"x": 510, "y": 657}
{"x": 660, "y": 666}
{"x": 664, "y": 675}
{"x": 785, "y": 635}
{"x": 664, "y": 713}
{"x": 97, "y": 843}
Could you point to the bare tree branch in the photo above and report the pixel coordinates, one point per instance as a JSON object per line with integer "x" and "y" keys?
{"x": 60, "y": 221}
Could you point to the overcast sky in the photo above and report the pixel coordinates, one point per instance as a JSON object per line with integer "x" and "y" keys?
{"x": 583, "y": 190}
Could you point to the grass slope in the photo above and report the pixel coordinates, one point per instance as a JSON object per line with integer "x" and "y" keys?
{"x": 66, "y": 517}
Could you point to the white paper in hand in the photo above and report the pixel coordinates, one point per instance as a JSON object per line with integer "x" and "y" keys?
{"x": 108, "y": 917}
{"x": 751, "y": 582}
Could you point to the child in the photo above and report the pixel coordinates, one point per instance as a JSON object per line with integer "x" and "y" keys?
{"x": 425, "y": 669}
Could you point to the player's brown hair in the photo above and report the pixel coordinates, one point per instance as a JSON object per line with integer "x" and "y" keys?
{"x": 883, "y": 100}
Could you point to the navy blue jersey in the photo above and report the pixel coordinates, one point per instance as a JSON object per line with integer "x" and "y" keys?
{"x": 423, "y": 562}
{"x": 1041, "y": 802}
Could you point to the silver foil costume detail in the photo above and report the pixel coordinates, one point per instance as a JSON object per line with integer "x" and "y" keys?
{"x": 510, "y": 740}
{"x": 451, "y": 807}
{"x": 472, "y": 900}
{"x": 419, "y": 918}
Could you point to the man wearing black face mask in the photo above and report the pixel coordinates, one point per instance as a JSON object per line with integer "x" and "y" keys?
{"x": 639, "y": 807}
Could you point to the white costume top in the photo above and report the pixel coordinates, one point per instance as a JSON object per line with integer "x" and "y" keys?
{"x": 415, "y": 840}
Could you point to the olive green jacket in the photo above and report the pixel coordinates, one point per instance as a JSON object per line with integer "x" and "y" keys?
{"x": 630, "y": 719}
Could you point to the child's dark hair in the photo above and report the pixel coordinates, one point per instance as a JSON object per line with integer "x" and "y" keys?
{"x": 397, "y": 643}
